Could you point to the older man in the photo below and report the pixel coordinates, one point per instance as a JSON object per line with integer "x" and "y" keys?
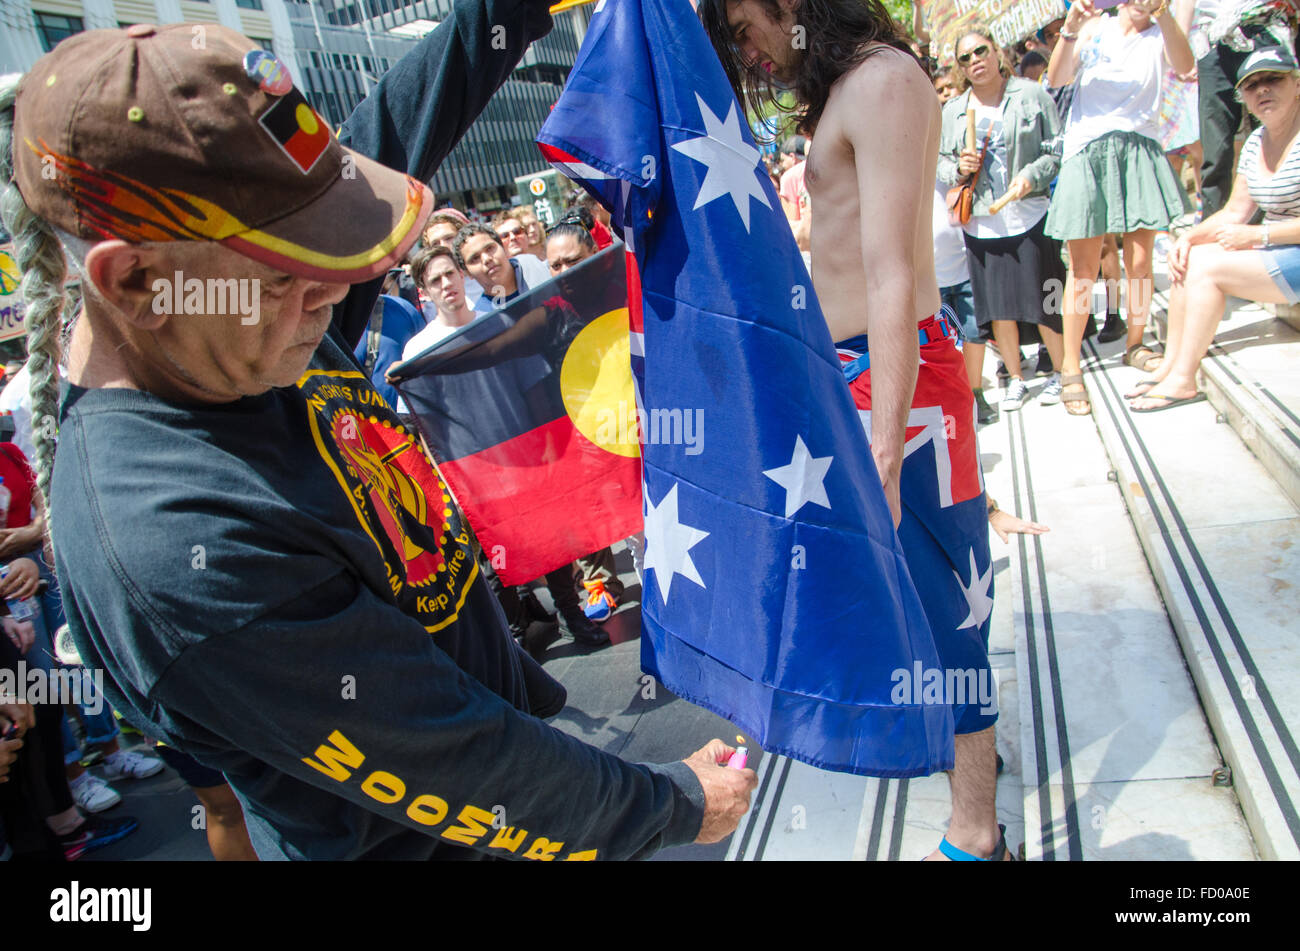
{"x": 252, "y": 546}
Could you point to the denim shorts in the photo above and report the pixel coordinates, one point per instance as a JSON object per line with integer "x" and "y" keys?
{"x": 1283, "y": 265}
{"x": 959, "y": 299}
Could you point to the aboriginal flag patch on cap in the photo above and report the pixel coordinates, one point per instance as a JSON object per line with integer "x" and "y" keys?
{"x": 298, "y": 129}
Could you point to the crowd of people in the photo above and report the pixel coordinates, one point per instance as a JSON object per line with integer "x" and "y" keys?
{"x": 1076, "y": 149}
{"x": 1093, "y": 139}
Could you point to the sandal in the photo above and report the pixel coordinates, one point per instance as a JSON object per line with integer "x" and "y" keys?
{"x": 1167, "y": 402}
{"x": 1146, "y": 386}
{"x": 1140, "y": 356}
{"x": 958, "y": 855}
{"x": 1075, "y": 379}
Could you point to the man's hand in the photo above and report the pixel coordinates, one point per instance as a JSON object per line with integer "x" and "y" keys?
{"x": 23, "y": 579}
{"x": 968, "y": 163}
{"x": 1006, "y": 524}
{"x": 726, "y": 790}
{"x": 891, "y": 472}
{"x": 1239, "y": 237}
{"x": 20, "y": 633}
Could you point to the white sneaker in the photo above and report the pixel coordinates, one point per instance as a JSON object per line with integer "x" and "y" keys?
{"x": 124, "y": 765}
{"x": 92, "y": 794}
{"x": 1014, "y": 397}
{"x": 1051, "y": 394}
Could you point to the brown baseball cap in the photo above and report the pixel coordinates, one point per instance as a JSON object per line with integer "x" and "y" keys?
{"x": 192, "y": 132}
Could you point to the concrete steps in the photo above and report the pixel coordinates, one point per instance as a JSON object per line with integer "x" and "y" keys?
{"x": 1217, "y": 531}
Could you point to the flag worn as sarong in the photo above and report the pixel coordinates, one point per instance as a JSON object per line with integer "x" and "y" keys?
{"x": 776, "y": 593}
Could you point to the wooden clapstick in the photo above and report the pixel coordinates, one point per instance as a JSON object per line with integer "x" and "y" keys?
{"x": 970, "y": 128}
{"x": 1001, "y": 203}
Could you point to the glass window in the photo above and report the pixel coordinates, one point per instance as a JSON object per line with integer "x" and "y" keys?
{"x": 249, "y": 4}
{"x": 53, "y": 28}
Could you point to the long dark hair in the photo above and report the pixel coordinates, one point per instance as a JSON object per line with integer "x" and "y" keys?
{"x": 836, "y": 34}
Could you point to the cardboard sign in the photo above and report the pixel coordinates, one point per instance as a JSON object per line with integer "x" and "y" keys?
{"x": 1010, "y": 20}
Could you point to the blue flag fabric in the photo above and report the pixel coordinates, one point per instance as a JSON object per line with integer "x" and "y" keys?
{"x": 776, "y": 592}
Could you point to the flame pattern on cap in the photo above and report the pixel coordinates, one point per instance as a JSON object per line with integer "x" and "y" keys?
{"x": 118, "y": 206}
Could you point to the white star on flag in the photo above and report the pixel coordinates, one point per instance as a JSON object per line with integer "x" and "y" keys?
{"x": 668, "y": 543}
{"x": 731, "y": 162}
{"x": 803, "y": 479}
{"x": 977, "y": 595}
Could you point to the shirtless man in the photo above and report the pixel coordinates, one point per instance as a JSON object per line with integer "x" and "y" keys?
{"x": 874, "y": 275}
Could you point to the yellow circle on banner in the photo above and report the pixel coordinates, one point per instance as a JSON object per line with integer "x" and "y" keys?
{"x": 537, "y": 186}
{"x": 306, "y": 118}
{"x": 10, "y": 278}
{"x": 596, "y": 384}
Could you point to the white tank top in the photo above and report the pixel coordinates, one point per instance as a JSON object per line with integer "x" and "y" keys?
{"x": 1118, "y": 89}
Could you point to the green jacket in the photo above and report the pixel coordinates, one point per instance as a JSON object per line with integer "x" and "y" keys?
{"x": 1031, "y": 126}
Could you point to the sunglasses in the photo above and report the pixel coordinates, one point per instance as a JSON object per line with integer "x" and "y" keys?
{"x": 981, "y": 51}
{"x": 504, "y": 233}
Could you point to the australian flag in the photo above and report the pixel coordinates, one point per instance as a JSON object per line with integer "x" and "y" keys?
{"x": 776, "y": 591}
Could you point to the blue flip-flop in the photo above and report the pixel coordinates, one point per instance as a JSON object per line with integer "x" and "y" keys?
{"x": 958, "y": 855}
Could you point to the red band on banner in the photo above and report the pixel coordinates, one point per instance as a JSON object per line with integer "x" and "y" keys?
{"x": 540, "y": 497}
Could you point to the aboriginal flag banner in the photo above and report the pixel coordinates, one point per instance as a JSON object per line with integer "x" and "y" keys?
{"x": 531, "y": 415}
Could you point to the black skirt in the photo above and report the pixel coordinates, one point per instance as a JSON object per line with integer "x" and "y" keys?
{"x": 1020, "y": 278}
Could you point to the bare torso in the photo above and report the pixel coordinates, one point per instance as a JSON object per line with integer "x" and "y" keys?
{"x": 840, "y": 275}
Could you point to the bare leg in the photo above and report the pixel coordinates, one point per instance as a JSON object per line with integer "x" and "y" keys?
{"x": 227, "y": 834}
{"x": 1137, "y": 264}
{"x": 64, "y": 822}
{"x": 973, "y": 354}
{"x": 1054, "y": 344}
{"x": 1007, "y": 335}
{"x": 1076, "y": 309}
{"x": 974, "y": 779}
{"x": 1196, "y": 155}
{"x": 1212, "y": 274}
{"x": 1173, "y": 339}
{"x": 1110, "y": 272}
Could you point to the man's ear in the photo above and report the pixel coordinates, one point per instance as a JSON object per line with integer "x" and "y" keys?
{"x": 124, "y": 276}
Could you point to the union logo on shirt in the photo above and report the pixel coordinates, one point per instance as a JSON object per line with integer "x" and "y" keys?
{"x": 397, "y": 494}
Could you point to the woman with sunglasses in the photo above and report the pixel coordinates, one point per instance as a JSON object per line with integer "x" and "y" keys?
{"x": 1224, "y": 255}
{"x": 1011, "y": 260}
{"x": 1114, "y": 174}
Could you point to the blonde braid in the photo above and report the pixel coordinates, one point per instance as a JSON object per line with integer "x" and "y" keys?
{"x": 40, "y": 259}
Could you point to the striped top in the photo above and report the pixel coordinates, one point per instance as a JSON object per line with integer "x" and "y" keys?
{"x": 1278, "y": 196}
